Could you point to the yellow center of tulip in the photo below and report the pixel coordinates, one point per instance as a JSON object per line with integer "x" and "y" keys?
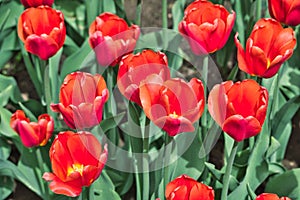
{"x": 75, "y": 168}
{"x": 268, "y": 63}
{"x": 174, "y": 115}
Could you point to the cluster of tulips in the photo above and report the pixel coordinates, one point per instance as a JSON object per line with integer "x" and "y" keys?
{"x": 172, "y": 104}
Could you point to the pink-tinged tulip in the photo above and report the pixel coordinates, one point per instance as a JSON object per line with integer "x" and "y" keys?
{"x": 111, "y": 38}
{"x": 42, "y": 30}
{"x": 136, "y": 68}
{"x": 206, "y": 26}
{"x": 186, "y": 188}
{"x": 267, "y": 47}
{"x": 82, "y": 97}
{"x": 77, "y": 160}
{"x": 36, "y": 3}
{"x": 285, "y": 11}
{"x": 269, "y": 196}
{"x": 32, "y": 133}
{"x": 240, "y": 108}
{"x": 173, "y": 105}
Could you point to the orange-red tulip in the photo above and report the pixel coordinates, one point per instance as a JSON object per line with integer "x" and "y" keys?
{"x": 268, "y": 46}
{"x": 77, "y": 160}
{"x": 42, "y": 30}
{"x": 36, "y": 3}
{"x": 186, "y": 188}
{"x": 111, "y": 38}
{"x": 240, "y": 108}
{"x": 285, "y": 11}
{"x": 206, "y": 26}
{"x": 82, "y": 97}
{"x": 269, "y": 196}
{"x": 136, "y": 68}
{"x": 32, "y": 133}
{"x": 173, "y": 105}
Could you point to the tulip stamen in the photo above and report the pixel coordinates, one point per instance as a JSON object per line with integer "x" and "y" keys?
{"x": 75, "y": 168}
{"x": 174, "y": 115}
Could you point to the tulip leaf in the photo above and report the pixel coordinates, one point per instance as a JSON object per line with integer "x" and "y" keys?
{"x": 5, "y": 128}
{"x": 15, "y": 11}
{"x": 177, "y": 12}
{"x": 109, "y": 6}
{"x": 6, "y": 186}
{"x": 7, "y": 168}
{"x": 281, "y": 127}
{"x": 112, "y": 122}
{"x": 5, "y": 149}
{"x": 285, "y": 184}
{"x": 77, "y": 60}
{"x": 8, "y": 90}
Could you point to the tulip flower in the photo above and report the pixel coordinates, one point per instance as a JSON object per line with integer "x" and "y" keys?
{"x": 32, "y": 133}
{"x": 267, "y": 47}
{"x": 285, "y": 11}
{"x": 186, "y": 188}
{"x": 82, "y": 97}
{"x": 111, "y": 38}
{"x": 77, "y": 160}
{"x": 269, "y": 196}
{"x": 240, "y": 108}
{"x": 206, "y": 26}
{"x": 173, "y": 105}
{"x": 36, "y": 3}
{"x": 136, "y": 68}
{"x": 42, "y": 30}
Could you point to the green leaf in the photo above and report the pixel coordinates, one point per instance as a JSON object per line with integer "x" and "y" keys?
{"x": 112, "y": 122}
{"x": 8, "y": 90}
{"x": 286, "y": 184}
{"x": 103, "y": 188}
{"x": 7, "y": 168}
{"x": 15, "y": 11}
{"x": 273, "y": 147}
{"x": 177, "y": 12}
{"x": 77, "y": 60}
{"x": 5, "y": 149}
{"x": 6, "y": 186}
{"x": 5, "y": 128}
{"x": 109, "y": 6}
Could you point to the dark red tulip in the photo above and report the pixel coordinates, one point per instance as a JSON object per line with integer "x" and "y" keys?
{"x": 77, "y": 160}
{"x": 42, "y": 30}
{"x": 186, "y": 188}
{"x": 240, "y": 108}
{"x": 285, "y": 11}
{"x": 173, "y": 105}
{"x": 268, "y": 46}
{"x": 82, "y": 97}
{"x": 36, "y": 3}
{"x": 134, "y": 68}
{"x": 111, "y": 38}
{"x": 32, "y": 133}
{"x": 206, "y": 26}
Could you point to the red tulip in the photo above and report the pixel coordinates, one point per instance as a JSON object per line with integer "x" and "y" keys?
{"x": 268, "y": 46}
{"x": 111, "y": 38}
{"x": 186, "y": 188}
{"x": 36, "y": 3}
{"x": 82, "y": 97}
{"x": 77, "y": 160}
{"x": 32, "y": 133}
{"x": 240, "y": 108}
{"x": 206, "y": 26}
{"x": 173, "y": 105}
{"x": 43, "y": 31}
{"x": 268, "y": 196}
{"x": 135, "y": 68}
{"x": 285, "y": 11}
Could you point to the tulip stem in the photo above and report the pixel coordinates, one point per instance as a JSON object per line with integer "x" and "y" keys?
{"x": 146, "y": 178}
{"x": 226, "y": 178}
{"x": 44, "y": 186}
{"x": 138, "y": 12}
{"x": 167, "y": 155}
{"x": 164, "y": 8}
{"x": 205, "y": 77}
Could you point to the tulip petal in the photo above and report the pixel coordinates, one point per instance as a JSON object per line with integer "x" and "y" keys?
{"x": 42, "y": 46}
{"x": 240, "y": 128}
{"x": 70, "y": 189}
